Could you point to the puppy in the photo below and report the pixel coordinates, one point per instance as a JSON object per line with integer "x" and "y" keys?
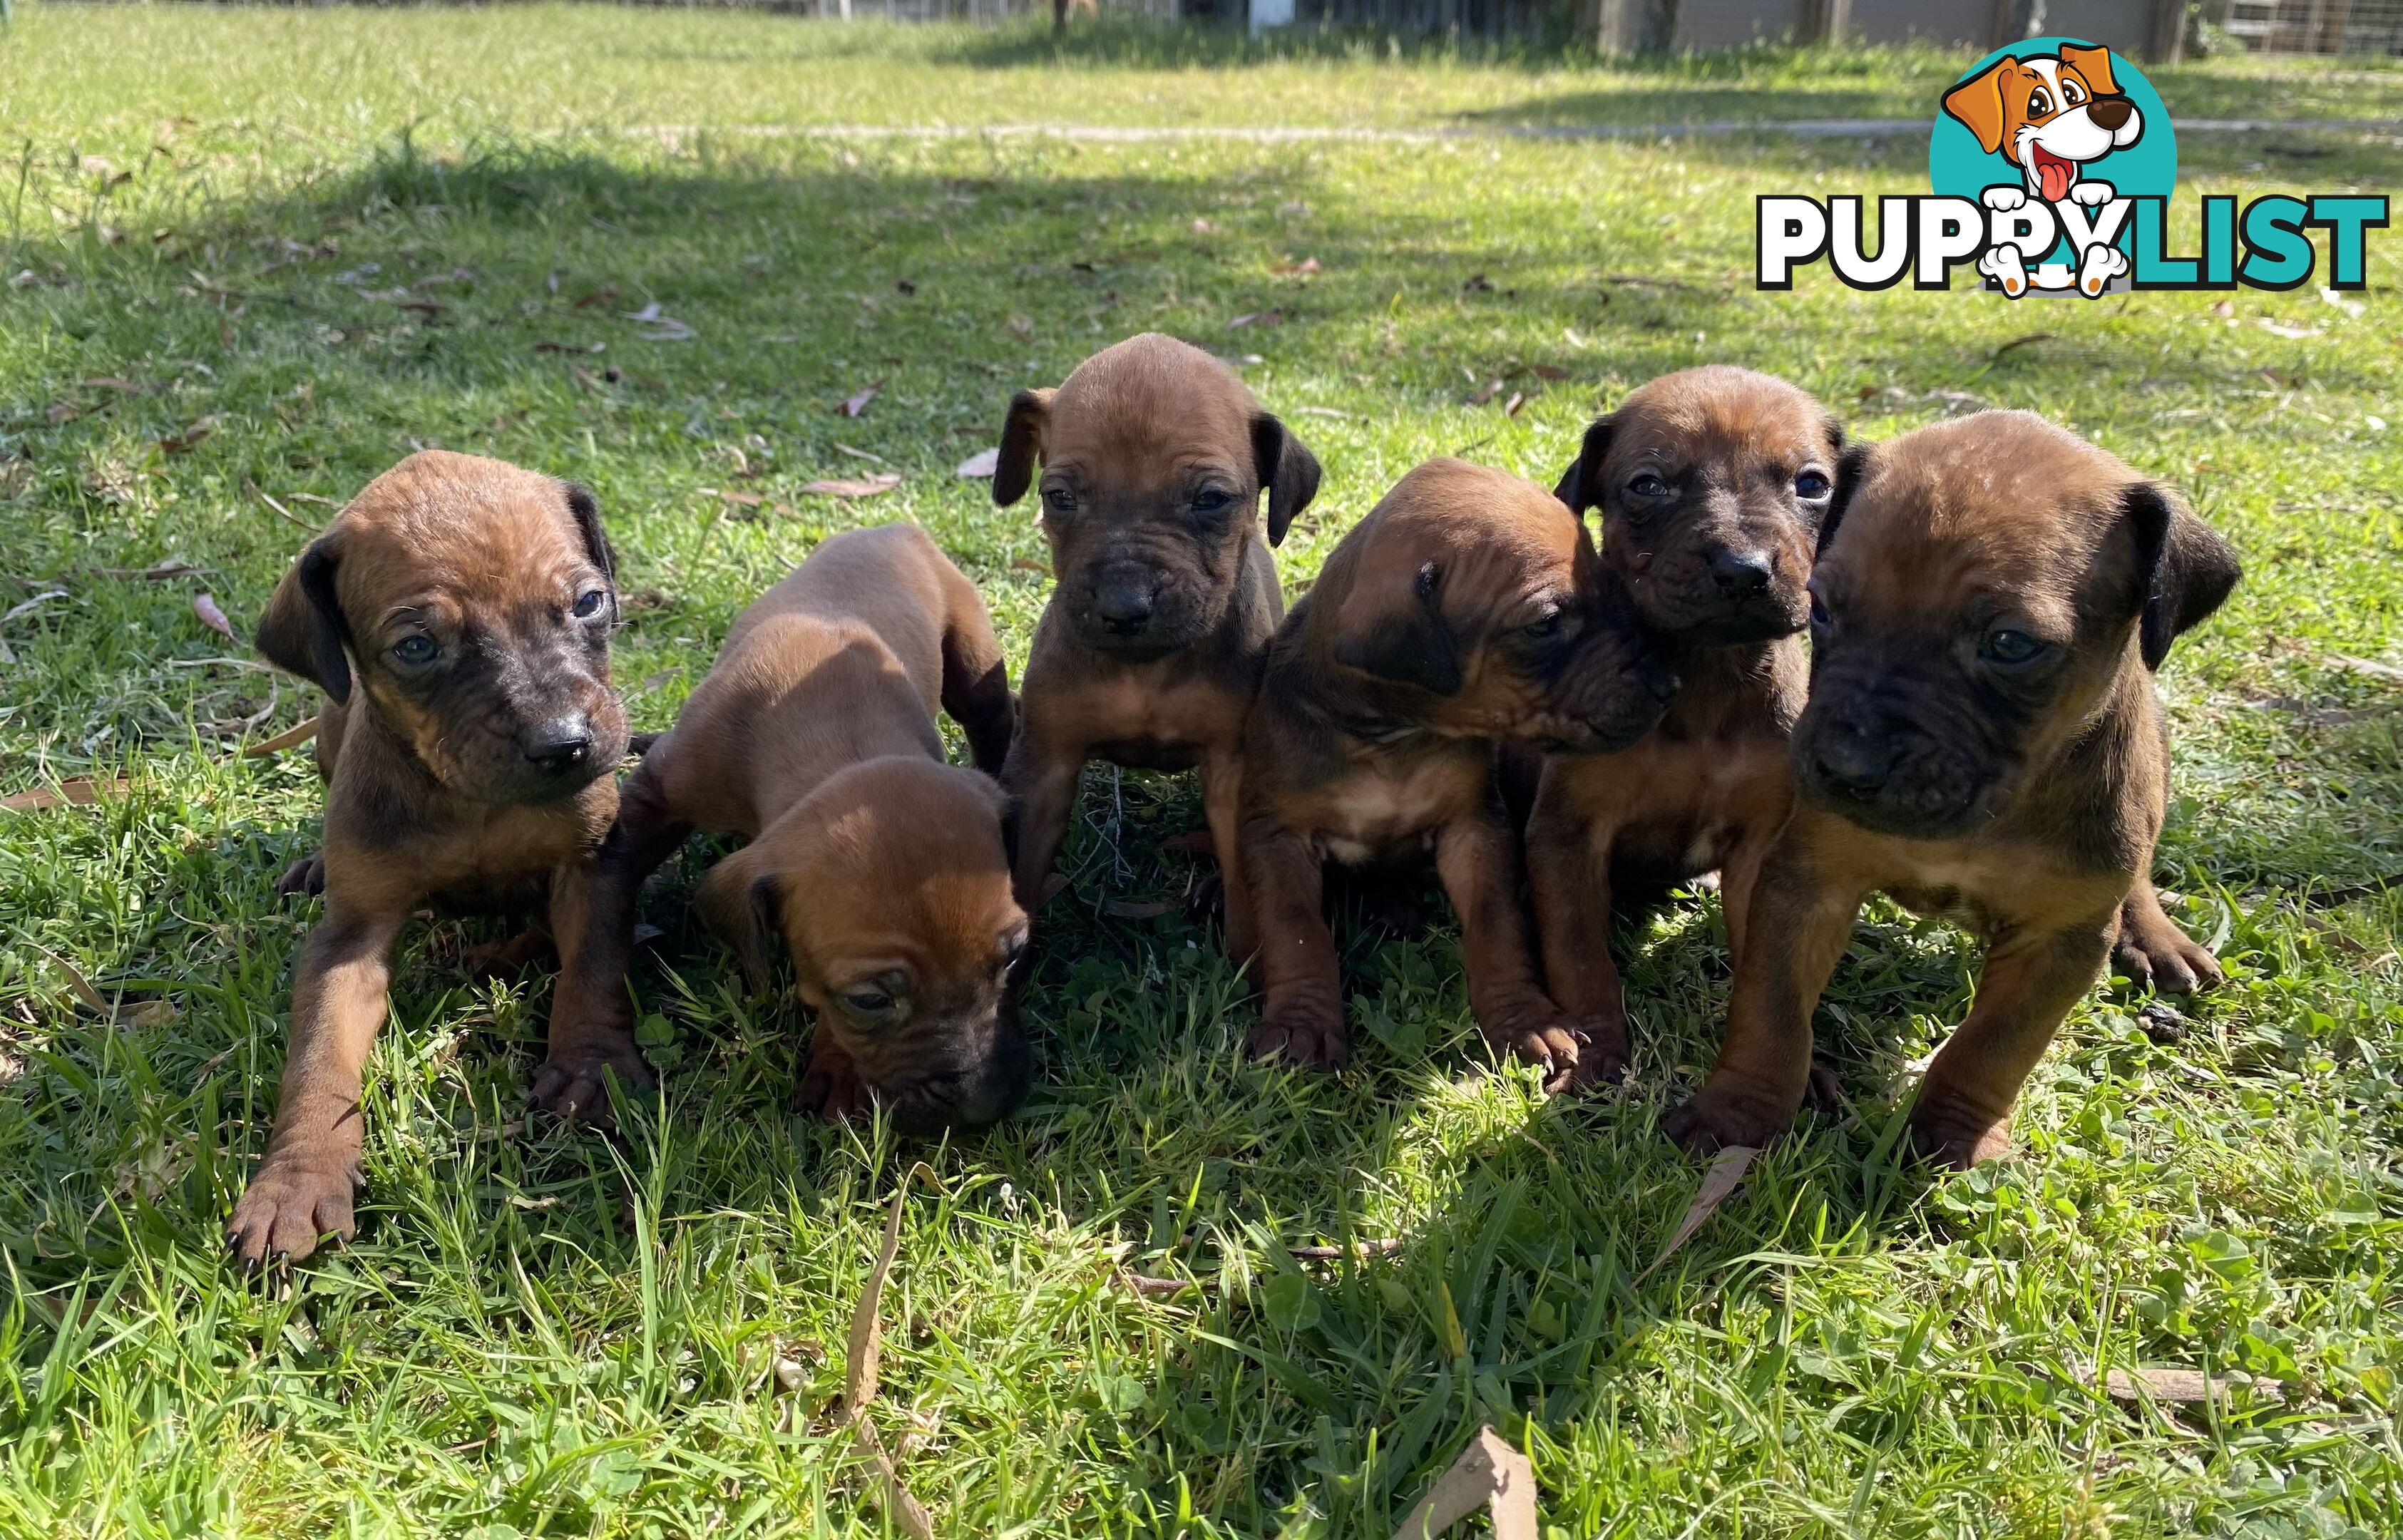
{"x": 456, "y": 615}
{"x": 1712, "y": 484}
{"x": 886, "y": 869}
{"x": 1467, "y": 608}
{"x": 1981, "y": 741}
{"x": 2050, "y": 115}
{"x": 1154, "y": 458}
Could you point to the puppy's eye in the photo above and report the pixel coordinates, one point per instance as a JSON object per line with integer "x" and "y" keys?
{"x": 1058, "y": 500}
{"x": 1821, "y": 621}
{"x": 1543, "y": 630}
{"x": 588, "y": 603}
{"x": 2012, "y": 648}
{"x": 2071, "y": 92}
{"x": 1212, "y": 500}
{"x": 415, "y": 651}
{"x": 2039, "y": 103}
{"x": 1813, "y": 485}
{"x": 868, "y": 1003}
{"x": 1647, "y": 485}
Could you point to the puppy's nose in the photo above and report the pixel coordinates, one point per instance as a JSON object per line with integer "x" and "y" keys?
{"x": 1123, "y": 606}
{"x": 1741, "y": 573}
{"x": 1853, "y": 758}
{"x": 2110, "y": 112}
{"x": 557, "y": 745}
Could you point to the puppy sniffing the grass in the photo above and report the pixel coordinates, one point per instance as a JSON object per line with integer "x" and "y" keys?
{"x": 1981, "y": 741}
{"x": 1153, "y": 460}
{"x": 456, "y": 615}
{"x": 1712, "y": 484}
{"x": 1467, "y": 608}
{"x": 886, "y": 869}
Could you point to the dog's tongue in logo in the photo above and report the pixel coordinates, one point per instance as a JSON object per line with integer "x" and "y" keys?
{"x": 2053, "y": 173}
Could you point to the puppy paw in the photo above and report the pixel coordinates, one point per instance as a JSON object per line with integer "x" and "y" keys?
{"x": 288, "y": 1207}
{"x": 2004, "y": 196}
{"x": 1301, "y": 1038}
{"x": 832, "y": 1086}
{"x": 2098, "y": 267}
{"x": 1720, "y": 1116}
{"x": 573, "y": 1084}
{"x": 2092, "y": 194}
{"x": 1574, "y": 1055}
{"x": 2003, "y": 265}
{"x": 306, "y": 875}
{"x": 1947, "y": 1133}
{"x": 2160, "y": 956}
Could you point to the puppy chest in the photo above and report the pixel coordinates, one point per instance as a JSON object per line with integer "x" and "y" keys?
{"x": 1154, "y": 729}
{"x": 1370, "y": 815}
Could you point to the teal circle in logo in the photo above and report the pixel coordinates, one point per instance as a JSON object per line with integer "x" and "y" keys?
{"x": 2048, "y": 116}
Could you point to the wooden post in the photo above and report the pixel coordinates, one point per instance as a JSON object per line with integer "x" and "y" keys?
{"x": 1830, "y": 21}
{"x": 2167, "y": 44}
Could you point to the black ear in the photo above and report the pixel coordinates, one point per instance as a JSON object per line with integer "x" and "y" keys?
{"x": 1581, "y": 485}
{"x": 587, "y": 523}
{"x": 2187, "y": 569}
{"x": 1023, "y": 433}
{"x": 1406, "y": 641}
{"x": 1850, "y": 464}
{"x": 1288, "y": 469}
{"x": 302, "y": 631}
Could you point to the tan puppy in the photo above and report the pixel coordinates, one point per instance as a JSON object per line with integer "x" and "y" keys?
{"x": 1154, "y": 458}
{"x": 1981, "y": 741}
{"x": 456, "y": 615}
{"x": 1712, "y": 484}
{"x": 1469, "y": 607}
{"x": 886, "y": 869}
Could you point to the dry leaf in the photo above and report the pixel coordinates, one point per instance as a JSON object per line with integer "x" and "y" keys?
{"x": 873, "y": 486}
{"x": 2358, "y": 665}
{"x": 1510, "y": 407}
{"x": 1725, "y": 1176}
{"x": 568, "y": 347}
{"x": 1027, "y": 564}
{"x": 2222, "y": 309}
{"x": 289, "y": 738}
{"x": 741, "y": 499}
{"x": 859, "y": 1375}
{"x": 80, "y": 791}
{"x": 843, "y": 448}
{"x": 1485, "y": 392}
{"x": 212, "y": 617}
{"x": 983, "y": 462}
{"x": 1257, "y": 318}
{"x": 150, "y": 1013}
{"x": 1205, "y": 227}
{"x": 34, "y": 603}
{"x": 2175, "y": 1386}
{"x": 2279, "y": 329}
{"x": 1489, "y": 1475}
{"x": 191, "y": 436}
{"x": 857, "y": 403}
{"x": 77, "y": 984}
{"x": 1307, "y": 264}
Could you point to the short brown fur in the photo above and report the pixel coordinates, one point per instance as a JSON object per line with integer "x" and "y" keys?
{"x": 886, "y": 869}
{"x": 1153, "y": 459}
{"x": 481, "y": 767}
{"x": 1943, "y": 760}
{"x": 1466, "y": 609}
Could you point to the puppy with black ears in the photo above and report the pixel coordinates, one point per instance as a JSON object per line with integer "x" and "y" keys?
{"x": 1153, "y": 460}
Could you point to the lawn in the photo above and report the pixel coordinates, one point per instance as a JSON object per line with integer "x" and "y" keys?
{"x": 254, "y": 256}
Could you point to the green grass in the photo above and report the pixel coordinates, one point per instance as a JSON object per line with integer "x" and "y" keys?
{"x": 349, "y": 231}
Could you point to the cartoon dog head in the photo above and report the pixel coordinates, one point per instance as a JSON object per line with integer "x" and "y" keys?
{"x": 2047, "y": 114}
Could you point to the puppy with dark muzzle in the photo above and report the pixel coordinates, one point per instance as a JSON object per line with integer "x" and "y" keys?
{"x": 1154, "y": 458}
{"x": 1712, "y": 484}
{"x": 456, "y": 615}
{"x": 886, "y": 869}
{"x": 1468, "y": 609}
{"x": 1981, "y": 741}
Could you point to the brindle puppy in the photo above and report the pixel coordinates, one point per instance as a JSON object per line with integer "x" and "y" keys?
{"x": 1469, "y": 607}
{"x": 456, "y": 615}
{"x": 1712, "y": 484}
{"x": 1154, "y": 458}
{"x": 1981, "y": 741}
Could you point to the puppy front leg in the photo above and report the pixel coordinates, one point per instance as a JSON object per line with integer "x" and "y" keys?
{"x": 1478, "y": 859}
{"x": 1222, "y": 803}
{"x": 2028, "y": 984}
{"x": 1301, "y": 987}
{"x": 304, "y": 1187}
{"x": 1568, "y": 873}
{"x": 1041, "y": 778}
{"x": 976, "y": 681}
{"x": 592, "y": 914}
{"x": 1798, "y": 923}
{"x": 2155, "y": 952}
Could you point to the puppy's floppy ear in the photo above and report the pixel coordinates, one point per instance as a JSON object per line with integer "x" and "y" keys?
{"x": 1581, "y": 485}
{"x": 302, "y": 631}
{"x": 1286, "y": 468}
{"x": 2094, "y": 64}
{"x": 1396, "y": 630}
{"x": 1977, "y": 103}
{"x": 587, "y": 514}
{"x": 1025, "y": 435}
{"x": 1851, "y": 464}
{"x": 741, "y": 902}
{"x": 2187, "y": 571}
